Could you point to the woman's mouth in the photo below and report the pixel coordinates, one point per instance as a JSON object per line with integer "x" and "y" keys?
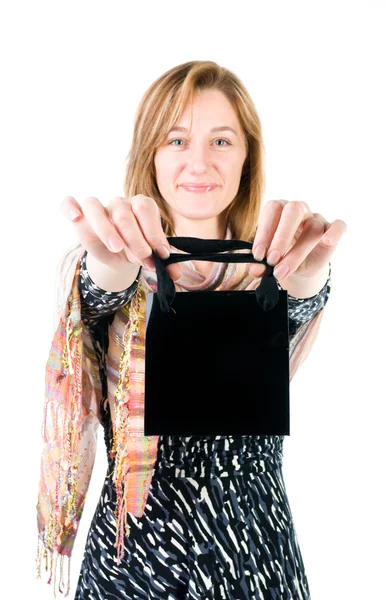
{"x": 198, "y": 189}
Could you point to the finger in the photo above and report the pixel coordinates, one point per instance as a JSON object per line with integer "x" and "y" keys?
{"x": 292, "y": 216}
{"x": 70, "y": 208}
{"x": 333, "y": 232}
{"x": 125, "y": 222}
{"x": 148, "y": 218}
{"x": 312, "y": 234}
{"x": 137, "y": 247}
{"x": 268, "y": 221}
{"x": 280, "y": 223}
{"x": 88, "y": 237}
{"x": 97, "y": 231}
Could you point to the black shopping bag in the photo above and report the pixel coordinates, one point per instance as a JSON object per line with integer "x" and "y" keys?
{"x": 216, "y": 362}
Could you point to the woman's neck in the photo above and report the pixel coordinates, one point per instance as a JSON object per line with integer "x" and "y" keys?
{"x": 201, "y": 230}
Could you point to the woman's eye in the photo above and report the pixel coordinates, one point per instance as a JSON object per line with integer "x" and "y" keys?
{"x": 222, "y": 140}
{"x": 180, "y": 140}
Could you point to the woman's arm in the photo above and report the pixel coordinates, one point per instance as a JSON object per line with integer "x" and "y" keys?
{"x": 98, "y": 302}
{"x": 301, "y": 310}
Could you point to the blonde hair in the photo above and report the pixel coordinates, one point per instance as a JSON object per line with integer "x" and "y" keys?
{"x": 160, "y": 109}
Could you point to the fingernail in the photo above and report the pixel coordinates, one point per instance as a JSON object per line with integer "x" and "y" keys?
{"x": 259, "y": 252}
{"x": 281, "y": 271}
{"x": 74, "y": 214}
{"x": 148, "y": 265}
{"x": 163, "y": 251}
{"x": 115, "y": 244}
{"x": 330, "y": 240}
{"x": 273, "y": 257}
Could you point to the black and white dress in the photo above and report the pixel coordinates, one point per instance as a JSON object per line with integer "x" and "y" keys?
{"x": 217, "y": 522}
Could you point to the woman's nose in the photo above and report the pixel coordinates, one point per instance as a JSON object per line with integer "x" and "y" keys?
{"x": 199, "y": 158}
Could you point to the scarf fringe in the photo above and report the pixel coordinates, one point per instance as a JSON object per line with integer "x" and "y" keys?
{"x": 63, "y": 434}
{"x": 51, "y": 564}
{"x": 124, "y": 405}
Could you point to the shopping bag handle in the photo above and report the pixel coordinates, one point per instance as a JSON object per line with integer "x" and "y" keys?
{"x": 267, "y": 293}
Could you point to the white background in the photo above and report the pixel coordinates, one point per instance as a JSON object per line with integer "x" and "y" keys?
{"x": 72, "y": 75}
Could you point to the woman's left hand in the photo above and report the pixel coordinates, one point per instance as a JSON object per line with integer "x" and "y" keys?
{"x": 304, "y": 241}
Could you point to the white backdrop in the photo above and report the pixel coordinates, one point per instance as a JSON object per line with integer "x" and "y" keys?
{"x": 72, "y": 76}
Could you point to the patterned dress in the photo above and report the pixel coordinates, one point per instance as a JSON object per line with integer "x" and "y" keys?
{"x": 217, "y": 523}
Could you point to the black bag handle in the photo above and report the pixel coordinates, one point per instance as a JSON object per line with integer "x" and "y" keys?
{"x": 267, "y": 293}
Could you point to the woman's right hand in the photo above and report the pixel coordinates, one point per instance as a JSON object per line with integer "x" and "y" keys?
{"x": 133, "y": 223}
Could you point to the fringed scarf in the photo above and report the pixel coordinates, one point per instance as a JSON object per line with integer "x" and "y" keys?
{"x": 73, "y": 401}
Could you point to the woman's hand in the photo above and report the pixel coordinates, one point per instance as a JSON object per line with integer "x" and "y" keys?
{"x": 124, "y": 232}
{"x": 304, "y": 241}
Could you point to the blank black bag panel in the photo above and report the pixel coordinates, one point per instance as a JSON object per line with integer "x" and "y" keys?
{"x": 217, "y": 363}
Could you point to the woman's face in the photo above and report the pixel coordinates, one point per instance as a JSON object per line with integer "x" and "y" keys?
{"x": 202, "y": 155}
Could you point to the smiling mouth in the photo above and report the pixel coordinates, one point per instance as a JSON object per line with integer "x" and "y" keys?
{"x": 199, "y": 189}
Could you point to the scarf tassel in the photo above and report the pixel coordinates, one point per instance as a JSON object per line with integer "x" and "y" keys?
{"x": 67, "y": 439}
{"x": 51, "y": 565}
{"x": 122, "y": 396}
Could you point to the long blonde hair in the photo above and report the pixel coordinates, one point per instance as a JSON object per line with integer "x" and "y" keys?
{"x": 160, "y": 109}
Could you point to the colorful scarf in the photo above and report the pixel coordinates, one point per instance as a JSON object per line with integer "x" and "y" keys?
{"x": 74, "y": 401}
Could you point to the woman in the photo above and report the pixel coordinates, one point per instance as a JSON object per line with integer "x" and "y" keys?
{"x": 201, "y": 517}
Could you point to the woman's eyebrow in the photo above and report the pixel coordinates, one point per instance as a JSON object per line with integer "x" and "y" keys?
{"x": 213, "y": 130}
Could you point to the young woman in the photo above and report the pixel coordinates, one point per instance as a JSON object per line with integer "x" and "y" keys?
{"x": 203, "y": 517}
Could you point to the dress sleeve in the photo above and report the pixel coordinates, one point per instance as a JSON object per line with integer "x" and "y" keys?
{"x": 98, "y": 303}
{"x": 301, "y": 310}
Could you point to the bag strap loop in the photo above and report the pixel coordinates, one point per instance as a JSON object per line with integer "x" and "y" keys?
{"x": 267, "y": 293}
